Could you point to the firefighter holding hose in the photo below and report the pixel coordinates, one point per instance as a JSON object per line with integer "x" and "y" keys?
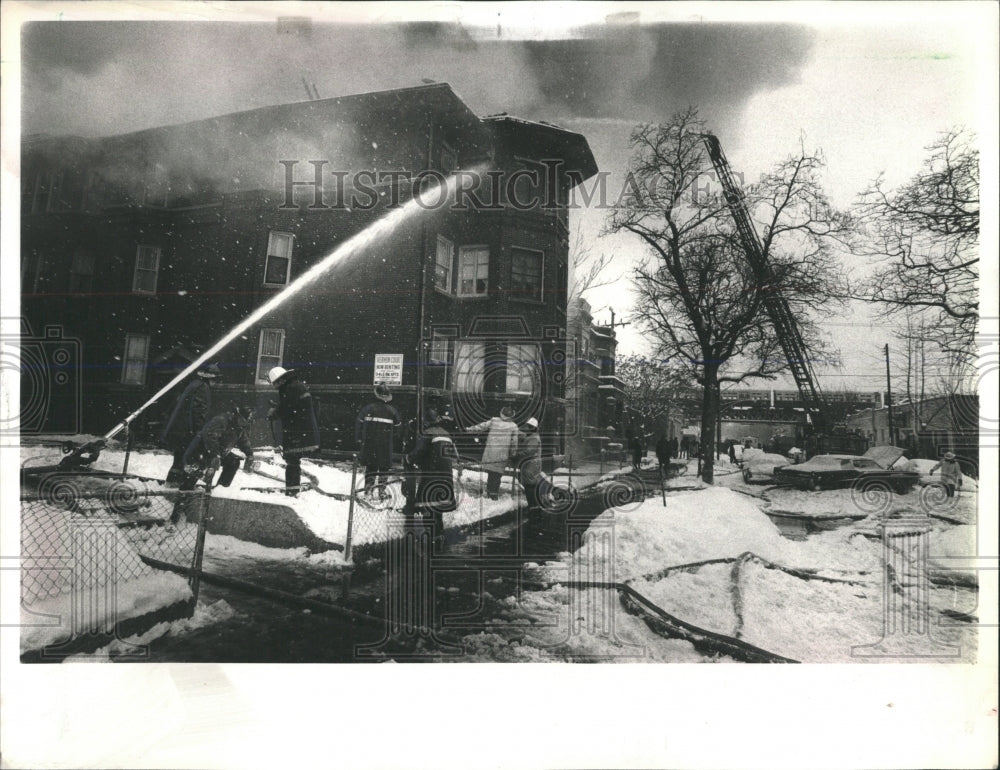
{"x": 215, "y": 446}
{"x": 299, "y": 429}
{"x": 189, "y": 416}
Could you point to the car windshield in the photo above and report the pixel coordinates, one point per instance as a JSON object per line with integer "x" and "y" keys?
{"x": 864, "y": 462}
{"x": 829, "y": 461}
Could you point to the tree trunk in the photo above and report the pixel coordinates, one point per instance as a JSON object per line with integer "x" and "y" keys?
{"x": 709, "y": 419}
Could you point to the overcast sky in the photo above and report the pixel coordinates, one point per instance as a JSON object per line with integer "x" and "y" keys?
{"x": 871, "y": 87}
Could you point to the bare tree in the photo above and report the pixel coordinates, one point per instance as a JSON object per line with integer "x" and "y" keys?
{"x": 924, "y": 238}
{"x": 655, "y": 389}
{"x": 698, "y": 295}
{"x": 587, "y": 269}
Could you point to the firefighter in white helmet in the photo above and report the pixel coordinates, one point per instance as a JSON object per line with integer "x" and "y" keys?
{"x": 299, "y": 429}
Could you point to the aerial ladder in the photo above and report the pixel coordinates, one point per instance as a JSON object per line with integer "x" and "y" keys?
{"x": 775, "y": 304}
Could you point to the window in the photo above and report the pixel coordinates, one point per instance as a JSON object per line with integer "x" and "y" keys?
{"x": 526, "y": 274}
{"x": 473, "y": 271}
{"x": 134, "y": 361}
{"x": 440, "y": 350}
{"x": 278, "y": 266}
{"x": 269, "y": 352}
{"x": 147, "y": 265}
{"x": 443, "y": 263}
{"x": 523, "y": 368}
{"x": 469, "y": 359}
{"x": 81, "y": 273}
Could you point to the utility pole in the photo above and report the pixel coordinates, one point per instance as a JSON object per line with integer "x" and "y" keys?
{"x": 888, "y": 386}
{"x": 613, "y": 324}
{"x": 612, "y": 327}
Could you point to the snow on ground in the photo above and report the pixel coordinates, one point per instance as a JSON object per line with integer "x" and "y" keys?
{"x": 325, "y": 510}
{"x": 204, "y": 615}
{"x": 547, "y": 626}
{"x": 50, "y": 621}
{"x": 923, "y": 467}
{"x": 72, "y": 558}
{"x": 805, "y": 619}
{"x": 808, "y": 620}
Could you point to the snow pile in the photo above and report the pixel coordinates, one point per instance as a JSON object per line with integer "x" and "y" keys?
{"x": 774, "y": 599}
{"x": 954, "y": 551}
{"x": 707, "y": 524}
{"x": 49, "y": 621}
{"x": 71, "y": 559}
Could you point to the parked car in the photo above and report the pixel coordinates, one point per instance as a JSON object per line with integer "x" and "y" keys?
{"x": 761, "y": 467}
{"x": 845, "y": 470}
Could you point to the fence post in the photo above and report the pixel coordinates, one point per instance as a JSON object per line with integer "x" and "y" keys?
{"x": 199, "y": 549}
{"x": 602, "y": 461}
{"x": 350, "y": 507}
{"x": 128, "y": 449}
{"x": 663, "y": 487}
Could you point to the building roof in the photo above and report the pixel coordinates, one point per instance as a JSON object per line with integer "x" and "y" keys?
{"x": 352, "y": 132}
{"x": 550, "y": 141}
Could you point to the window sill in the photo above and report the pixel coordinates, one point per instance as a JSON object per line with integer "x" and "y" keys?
{"x": 439, "y": 290}
{"x": 471, "y": 296}
{"x": 274, "y": 285}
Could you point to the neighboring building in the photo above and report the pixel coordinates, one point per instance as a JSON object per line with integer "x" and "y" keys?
{"x": 148, "y": 247}
{"x": 926, "y": 428}
{"x": 739, "y": 404}
{"x": 595, "y": 394}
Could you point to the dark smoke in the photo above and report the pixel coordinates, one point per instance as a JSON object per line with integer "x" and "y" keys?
{"x": 99, "y": 78}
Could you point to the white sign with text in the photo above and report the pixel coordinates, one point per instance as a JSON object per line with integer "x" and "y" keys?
{"x": 389, "y": 368}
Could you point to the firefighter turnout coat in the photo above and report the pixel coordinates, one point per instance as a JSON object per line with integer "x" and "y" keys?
{"x": 189, "y": 415}
{"x": 299, "y": 429}
{"x": 220, "y": 434}
{"x": 434, "y": 457}
{"x": 374, "y": 429}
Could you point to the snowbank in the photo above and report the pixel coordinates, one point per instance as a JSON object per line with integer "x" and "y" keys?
{"x": 800, "y": 616}
{"x": 50, "y": 621}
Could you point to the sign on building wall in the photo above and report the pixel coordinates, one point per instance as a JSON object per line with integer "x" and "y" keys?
{"x": 389, "y": 368}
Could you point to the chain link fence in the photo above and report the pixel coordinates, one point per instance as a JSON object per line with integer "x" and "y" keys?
{"x": 85, "y": 542}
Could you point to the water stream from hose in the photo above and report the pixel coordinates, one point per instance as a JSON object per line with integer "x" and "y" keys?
{"x": 424, "y": 201}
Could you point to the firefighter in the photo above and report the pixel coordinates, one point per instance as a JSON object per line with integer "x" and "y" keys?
{"x": 222, "y": 434}
{"x": 299, "y": 429}
{"x": 189, "y": 415}
{"x": 374, "y": 432}
{"x": 410, "y": 474}
{"x": 433, "y": 459}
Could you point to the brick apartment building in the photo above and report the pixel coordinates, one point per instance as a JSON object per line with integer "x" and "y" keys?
{"x": 148, "y": 247}
{"x": 596, "y": 395}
